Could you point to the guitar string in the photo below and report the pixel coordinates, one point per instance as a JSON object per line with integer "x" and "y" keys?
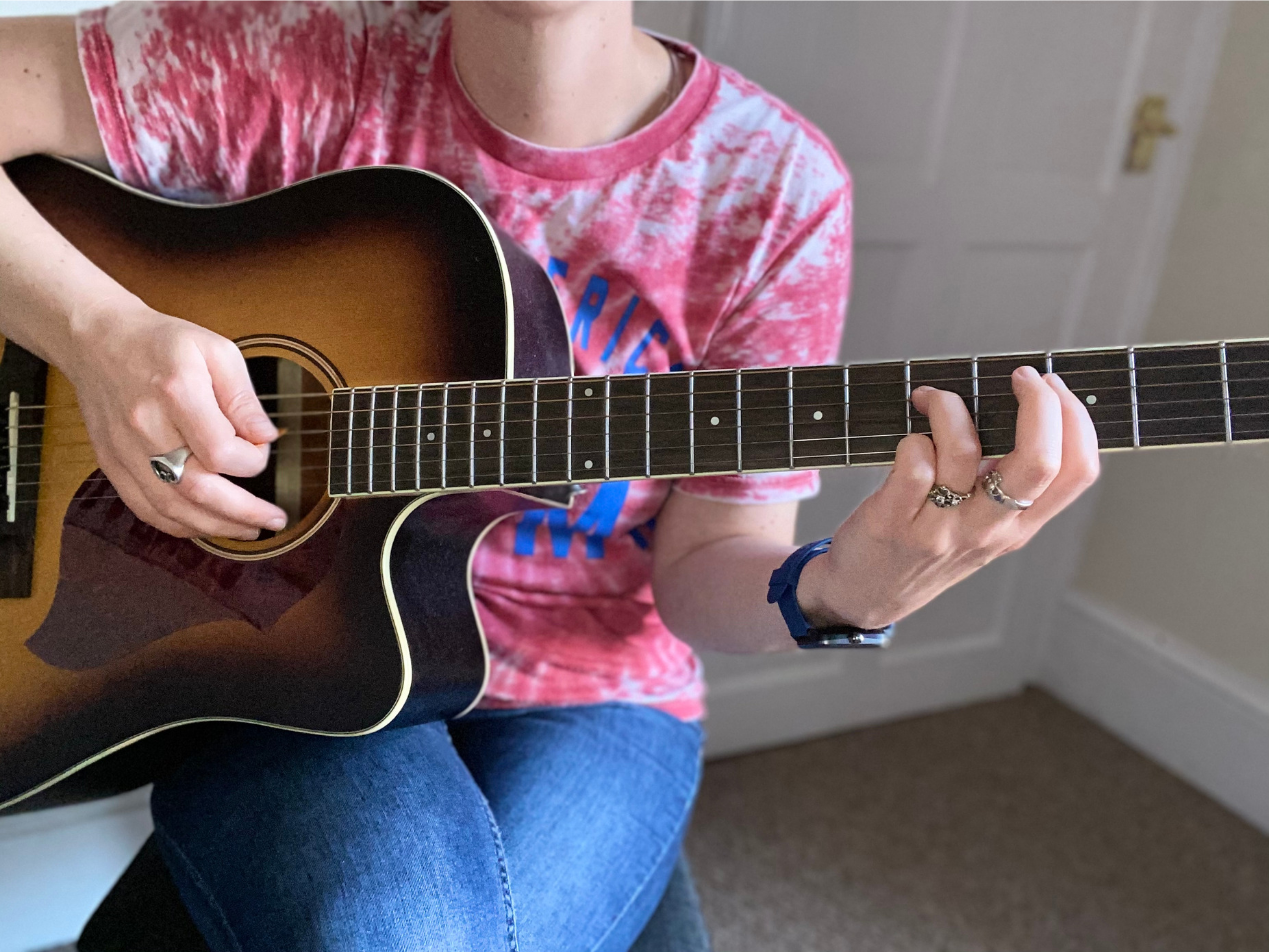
{"x": 609, "y": 417}
{"x": 730, "y": 407}
{"x": 848, "y": 456}
{"x": 885, "y": 456}
{"x": 458, "y": 387}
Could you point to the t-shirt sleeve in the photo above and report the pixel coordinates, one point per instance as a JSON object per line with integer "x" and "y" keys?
{"x": 216, "y": 101}
{"x": 793, "y": 316}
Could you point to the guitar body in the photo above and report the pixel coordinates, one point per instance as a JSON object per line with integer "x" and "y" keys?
{"x": 360, "y": 613}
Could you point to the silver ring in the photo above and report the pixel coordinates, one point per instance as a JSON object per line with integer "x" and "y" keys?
{"x": 170, "y": 467}
{"x": 947, "y": 498}
{"x": 991, "y": 486}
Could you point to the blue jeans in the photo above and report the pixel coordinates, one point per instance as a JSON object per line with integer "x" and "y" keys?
{"x": 542, "y": 830}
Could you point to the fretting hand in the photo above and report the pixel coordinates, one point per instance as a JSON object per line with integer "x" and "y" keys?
{"x": 899, "y": 550}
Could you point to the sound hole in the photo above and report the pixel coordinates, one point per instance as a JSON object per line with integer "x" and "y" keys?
{"x": 295, "y": 478}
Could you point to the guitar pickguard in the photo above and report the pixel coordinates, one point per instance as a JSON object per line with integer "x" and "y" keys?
{"x": 109, "y": 556}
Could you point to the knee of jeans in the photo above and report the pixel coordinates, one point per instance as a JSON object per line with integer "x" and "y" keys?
{"x": 362, "y": 905}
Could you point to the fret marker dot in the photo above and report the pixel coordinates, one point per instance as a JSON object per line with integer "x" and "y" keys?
{"x": 818, "y": 415}
{"x": 589, "y": 391}
{"x": 588, "y": 464}
{"x": 1091, "y": 399}
{"x": 431, "y": 436}
{"x": 486, "y": 433}
{"x": 713, "y": 421}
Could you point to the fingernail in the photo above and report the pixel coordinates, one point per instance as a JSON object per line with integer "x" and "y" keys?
{"x": 276, "y": 524}
{"x": 921, "y": 389}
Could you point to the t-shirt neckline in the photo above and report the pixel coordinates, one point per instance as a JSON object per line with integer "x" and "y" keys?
{"x": 594, "y": 162}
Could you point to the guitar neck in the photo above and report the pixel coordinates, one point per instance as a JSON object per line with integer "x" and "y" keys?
{"x": 417, "y": 438}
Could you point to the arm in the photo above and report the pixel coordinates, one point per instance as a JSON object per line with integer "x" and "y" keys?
{"x": 146, "y": 382}
{"x": 894, "y": 553}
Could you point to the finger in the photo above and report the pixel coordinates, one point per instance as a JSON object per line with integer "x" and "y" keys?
{"x": 200, "y": 522}
{"x": 904, "y": 492}
{"x": 219, "y": 498}
{"x": 196, "y": 413}
{"x": 1080, "y": 462}
{"x": 956, "y": 446}
{"x": 1037, "y": 454}
{"x": 180, "y": 504}
{"x": 236, "y": 394}
{"x": 133, "y": 497}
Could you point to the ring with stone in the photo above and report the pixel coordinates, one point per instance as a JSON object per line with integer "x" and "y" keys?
{"x": 170, "y": 467}
{"x": 944, "y": 497}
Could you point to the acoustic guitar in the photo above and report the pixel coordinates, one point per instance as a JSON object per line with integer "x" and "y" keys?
{"x": 419, "y": 364}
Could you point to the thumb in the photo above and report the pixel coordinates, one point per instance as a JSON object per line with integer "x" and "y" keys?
{"x": 236, "y": 395}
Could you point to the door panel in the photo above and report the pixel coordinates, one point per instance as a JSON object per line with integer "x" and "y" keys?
{"x": 986, "y": 144}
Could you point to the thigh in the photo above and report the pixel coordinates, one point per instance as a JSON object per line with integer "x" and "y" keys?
{"x": 286, "y": 841}
{"x": 592, "y": 803}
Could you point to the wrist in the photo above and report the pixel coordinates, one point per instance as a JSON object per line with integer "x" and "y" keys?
{"x": 92, "y": 324}
{"x": 812, "y": 593}
{"x": 783, "y": 590}
{"x": 825, "y": 603}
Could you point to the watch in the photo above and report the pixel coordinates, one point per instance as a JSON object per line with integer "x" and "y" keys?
{"x": 782, "y": 591}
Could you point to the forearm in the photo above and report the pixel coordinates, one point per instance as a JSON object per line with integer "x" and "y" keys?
{"x": 715, "y": 596}
{"x": 46, "y": 285}
{"x": 48, "y": 289}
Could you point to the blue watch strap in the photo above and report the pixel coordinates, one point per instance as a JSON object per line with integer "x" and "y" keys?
{"x": 782, "y": 591}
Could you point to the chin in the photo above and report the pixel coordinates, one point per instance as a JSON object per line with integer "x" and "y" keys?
{"x": 528, "y": 11}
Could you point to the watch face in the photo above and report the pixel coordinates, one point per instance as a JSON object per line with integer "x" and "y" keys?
{"x": 846, "y": 636}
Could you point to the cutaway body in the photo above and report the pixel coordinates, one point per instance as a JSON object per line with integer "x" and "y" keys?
{"x": 361, "y": 611}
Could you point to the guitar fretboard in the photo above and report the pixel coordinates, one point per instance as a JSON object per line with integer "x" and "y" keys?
{"x": 418, "y": 438}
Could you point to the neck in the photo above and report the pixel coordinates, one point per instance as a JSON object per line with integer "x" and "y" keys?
{"x": 566, "y": 77}
{"x": 418, "y": 438}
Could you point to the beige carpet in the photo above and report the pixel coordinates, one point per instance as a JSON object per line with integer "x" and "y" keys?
{"x": 1011, "y": 826}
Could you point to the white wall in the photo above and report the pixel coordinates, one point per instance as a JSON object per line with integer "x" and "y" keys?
{"x": 1181, "y": 537}
{"x": 1164, "y": 637}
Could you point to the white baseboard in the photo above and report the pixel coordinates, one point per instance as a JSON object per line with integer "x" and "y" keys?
{"x": 1202, "y": 720}
{"x": 823, "y": 692}
{"x": 56, "y": 865}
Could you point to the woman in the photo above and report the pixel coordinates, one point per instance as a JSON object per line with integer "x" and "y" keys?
{"x": 689, "y": 220}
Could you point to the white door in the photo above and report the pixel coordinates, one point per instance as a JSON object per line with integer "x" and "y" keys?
{"x": 992, "y": 214}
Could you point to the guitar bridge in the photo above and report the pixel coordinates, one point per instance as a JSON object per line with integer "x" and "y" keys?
{"x": 22, "y": 377}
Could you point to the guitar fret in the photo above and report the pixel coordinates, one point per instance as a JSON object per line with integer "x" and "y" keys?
{"x": 445, "y": 437}
{"x": 608, "y": 427}
{"x": 907, "y": 393}
{"x": 396, "y": 394}
{"x": 973, "y": 369}
{"x": 792, "y": 464}
{"x": 568, "y": 472}
{"x": 1048, "y": 362}
{"x": 691, "y": 422}
{"x": 1229, "y": 419}
{"x": 1132, "y": 387}
{"x": 647, "y": 425}
{"x": 471, "y": 436}
{"x": 370, "y": 450}
{"x": 418, "y": 442}
{"x": 535, "y": 431}
{"x": 352, "y": 409}
{"x": 502, "y": 434}
{"x": 846, "y": 404}
{"x": 740, "y": 440}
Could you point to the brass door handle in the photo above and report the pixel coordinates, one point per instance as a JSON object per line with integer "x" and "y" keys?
{"x": 1148, "y": 124}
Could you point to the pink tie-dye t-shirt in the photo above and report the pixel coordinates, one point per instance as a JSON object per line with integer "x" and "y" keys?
{"x": 717, "y": 236}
